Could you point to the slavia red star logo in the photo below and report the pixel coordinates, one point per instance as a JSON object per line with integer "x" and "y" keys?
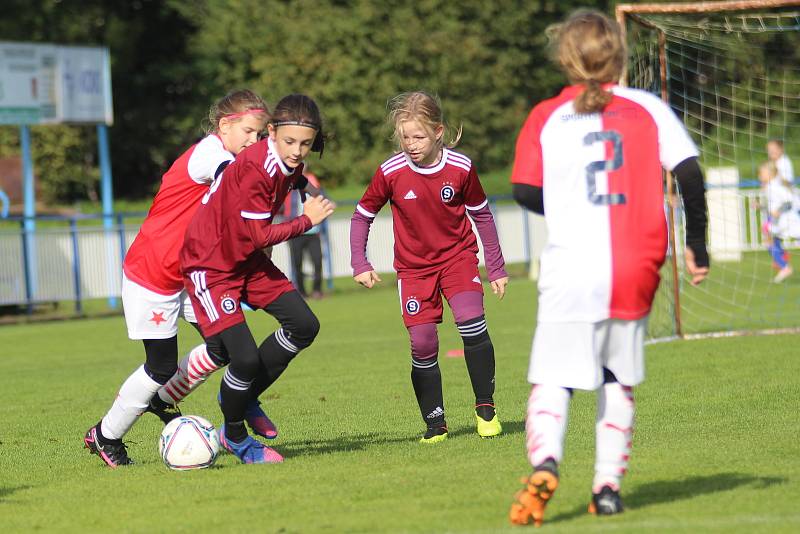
{"x": 158, "y": 318}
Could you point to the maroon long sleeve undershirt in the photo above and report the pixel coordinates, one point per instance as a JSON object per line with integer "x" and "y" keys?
{"x": 267, "y": 235}
{"x": 484, "y": 223}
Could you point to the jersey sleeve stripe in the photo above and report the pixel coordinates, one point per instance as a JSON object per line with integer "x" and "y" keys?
{"x": 459, "y": 157}
{"x": 364, "y": 212}
{"x": 459, "y": 165}
{"x": 252, "y": 215}
{"x": 479, "y": 206}
{"x": 395, "y": 167}
{"x": 393, "y": 160}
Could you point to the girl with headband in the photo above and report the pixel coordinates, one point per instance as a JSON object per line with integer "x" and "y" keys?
{"x": 153, "y": 295}
{"x": 224, "y": 264}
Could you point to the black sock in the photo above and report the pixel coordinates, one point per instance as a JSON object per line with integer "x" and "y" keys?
{"x": 479, "y": 355}
{"x": 275, "y": 359}
{"x": 235, "y": 431}
{"x": 427, "y": 382}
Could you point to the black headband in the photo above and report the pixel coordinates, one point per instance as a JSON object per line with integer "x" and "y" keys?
{"x": 319, "y": 140}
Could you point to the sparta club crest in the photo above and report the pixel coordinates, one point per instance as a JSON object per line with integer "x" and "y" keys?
{"x": 412, "y": 306}
{"x": 447, "y": 193}
{"x": 228, "y": 304}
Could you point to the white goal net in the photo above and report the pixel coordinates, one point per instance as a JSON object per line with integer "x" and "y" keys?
{"x": 730, "y": 70}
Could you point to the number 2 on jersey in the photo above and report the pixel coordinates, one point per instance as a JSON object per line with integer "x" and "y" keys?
{"x": 604, "y": 165}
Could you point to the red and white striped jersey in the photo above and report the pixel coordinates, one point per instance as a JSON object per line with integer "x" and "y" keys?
{"x": 428, "y": 209}
{"x": 152, "y": 259}
{"x": 601, "y": 175}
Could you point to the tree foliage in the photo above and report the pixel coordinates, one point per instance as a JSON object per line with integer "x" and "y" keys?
{"x": 171, "y": 59}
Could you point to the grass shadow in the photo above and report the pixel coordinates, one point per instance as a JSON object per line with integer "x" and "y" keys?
{"x": 7, "y": 492}
{"x": 340, "y": 444}
{"x": 676, "y": 490}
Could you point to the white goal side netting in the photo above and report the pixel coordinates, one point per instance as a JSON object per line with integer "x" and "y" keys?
{"x": 734, "y": 79}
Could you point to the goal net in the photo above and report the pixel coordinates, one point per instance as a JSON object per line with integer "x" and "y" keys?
{"x": 730, "y": 70}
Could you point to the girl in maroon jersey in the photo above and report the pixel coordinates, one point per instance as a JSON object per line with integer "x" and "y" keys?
{"x": 432, "y": 189}
{"x": 224, "y": 265}
{"x": 153, "y": 296}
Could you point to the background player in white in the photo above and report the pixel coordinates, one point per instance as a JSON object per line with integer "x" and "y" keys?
{"x": 432, "y": 188}
{"x": 153, "y": 296}
{"x": 591, "y": 161}
{"x": 782, "y": 220}
{"x": 777, "y": 155}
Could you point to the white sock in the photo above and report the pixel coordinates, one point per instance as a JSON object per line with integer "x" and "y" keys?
{"x": 614, "y": 430}
{"x": 192, "y": 371}
{"x": 546, "y": 423}
{"x": 132, "y": 399}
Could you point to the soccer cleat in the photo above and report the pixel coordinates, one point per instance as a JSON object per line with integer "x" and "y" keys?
{"x": 258, "y": 421}
{"x": 163, "y": 410}
{"x": 434, "y": 435}
{"x": 783, "y": 274}
{"x": 606, "y": 502}
{"x": 249, "y": 451}
{"x": 530, "y": 501}
{"x": 488, "y": 424}
{"x": 113, "y": 454}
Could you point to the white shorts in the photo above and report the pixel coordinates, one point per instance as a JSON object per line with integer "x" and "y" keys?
{"x": 572, "y": 355}
{"x": 150, "y": 315}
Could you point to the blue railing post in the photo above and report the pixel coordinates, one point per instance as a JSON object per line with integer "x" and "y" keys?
{"x": 76, "y": 265}
{"x": 29, "y": 214}
{"x": 107, "y": 196}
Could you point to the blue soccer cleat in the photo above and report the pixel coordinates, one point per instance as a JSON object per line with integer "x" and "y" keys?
{"x": 249, "y": 451}
{"x": 257, "y": 420}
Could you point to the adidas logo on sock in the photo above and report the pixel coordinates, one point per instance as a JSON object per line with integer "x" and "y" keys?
{"x": 410, "y": 195}
{"x": 435, "y": 413}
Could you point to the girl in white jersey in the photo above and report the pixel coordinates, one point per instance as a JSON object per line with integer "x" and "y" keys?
{"x": 591, "y": 161}
{"x": 782, "y": 218}
{"x": 153, "y": 296}
{"x": 432, "y": 189}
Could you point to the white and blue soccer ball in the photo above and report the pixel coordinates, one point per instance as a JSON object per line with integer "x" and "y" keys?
{"x": 188, "y": 442}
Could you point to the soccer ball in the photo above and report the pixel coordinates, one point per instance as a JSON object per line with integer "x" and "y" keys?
{"x": 188, "y": 442}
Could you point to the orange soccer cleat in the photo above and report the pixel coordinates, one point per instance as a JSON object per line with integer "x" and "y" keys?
{"x": 530, "y": 501}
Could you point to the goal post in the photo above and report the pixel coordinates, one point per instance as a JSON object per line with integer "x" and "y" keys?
{"x": 731, "y": 71}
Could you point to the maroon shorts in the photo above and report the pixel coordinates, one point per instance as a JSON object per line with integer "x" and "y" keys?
{"x": 217, "y": 299}
{"x": 421, "y": 297}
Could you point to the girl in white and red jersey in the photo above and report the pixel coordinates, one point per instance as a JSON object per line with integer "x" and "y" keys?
{"x": 591, "y": 161}
{"x": 432, "y": 188}
{"x": 153, "y": 296}
{"x": 224, "y": 264}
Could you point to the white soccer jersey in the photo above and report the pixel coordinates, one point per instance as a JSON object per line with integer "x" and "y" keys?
{"x": 603, "y": 199}
{"x": 784, "y": 166}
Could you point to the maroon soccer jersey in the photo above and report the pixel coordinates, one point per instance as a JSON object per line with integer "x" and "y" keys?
{"x": 228, "y": 230}
{"x": 428, "y": 209}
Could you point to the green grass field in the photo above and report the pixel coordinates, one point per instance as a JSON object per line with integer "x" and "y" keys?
{"x": 715, "y": 444}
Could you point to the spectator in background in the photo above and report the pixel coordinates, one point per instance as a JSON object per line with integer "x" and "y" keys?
{"x": 309, "y": 241}
{"x": 782, "y": 162}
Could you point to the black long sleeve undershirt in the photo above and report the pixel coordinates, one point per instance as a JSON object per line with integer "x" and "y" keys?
{"x": 693, "y": 192}
{"x": 530, "y": 197}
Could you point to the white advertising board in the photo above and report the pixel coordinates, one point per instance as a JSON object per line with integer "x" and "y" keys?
{"x": 42, "y": 83}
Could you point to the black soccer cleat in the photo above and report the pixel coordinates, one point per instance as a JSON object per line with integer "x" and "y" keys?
{"x": 606, "y": 502}
{"x": 164, "y": 410}
{"x": 114, "y": 454}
